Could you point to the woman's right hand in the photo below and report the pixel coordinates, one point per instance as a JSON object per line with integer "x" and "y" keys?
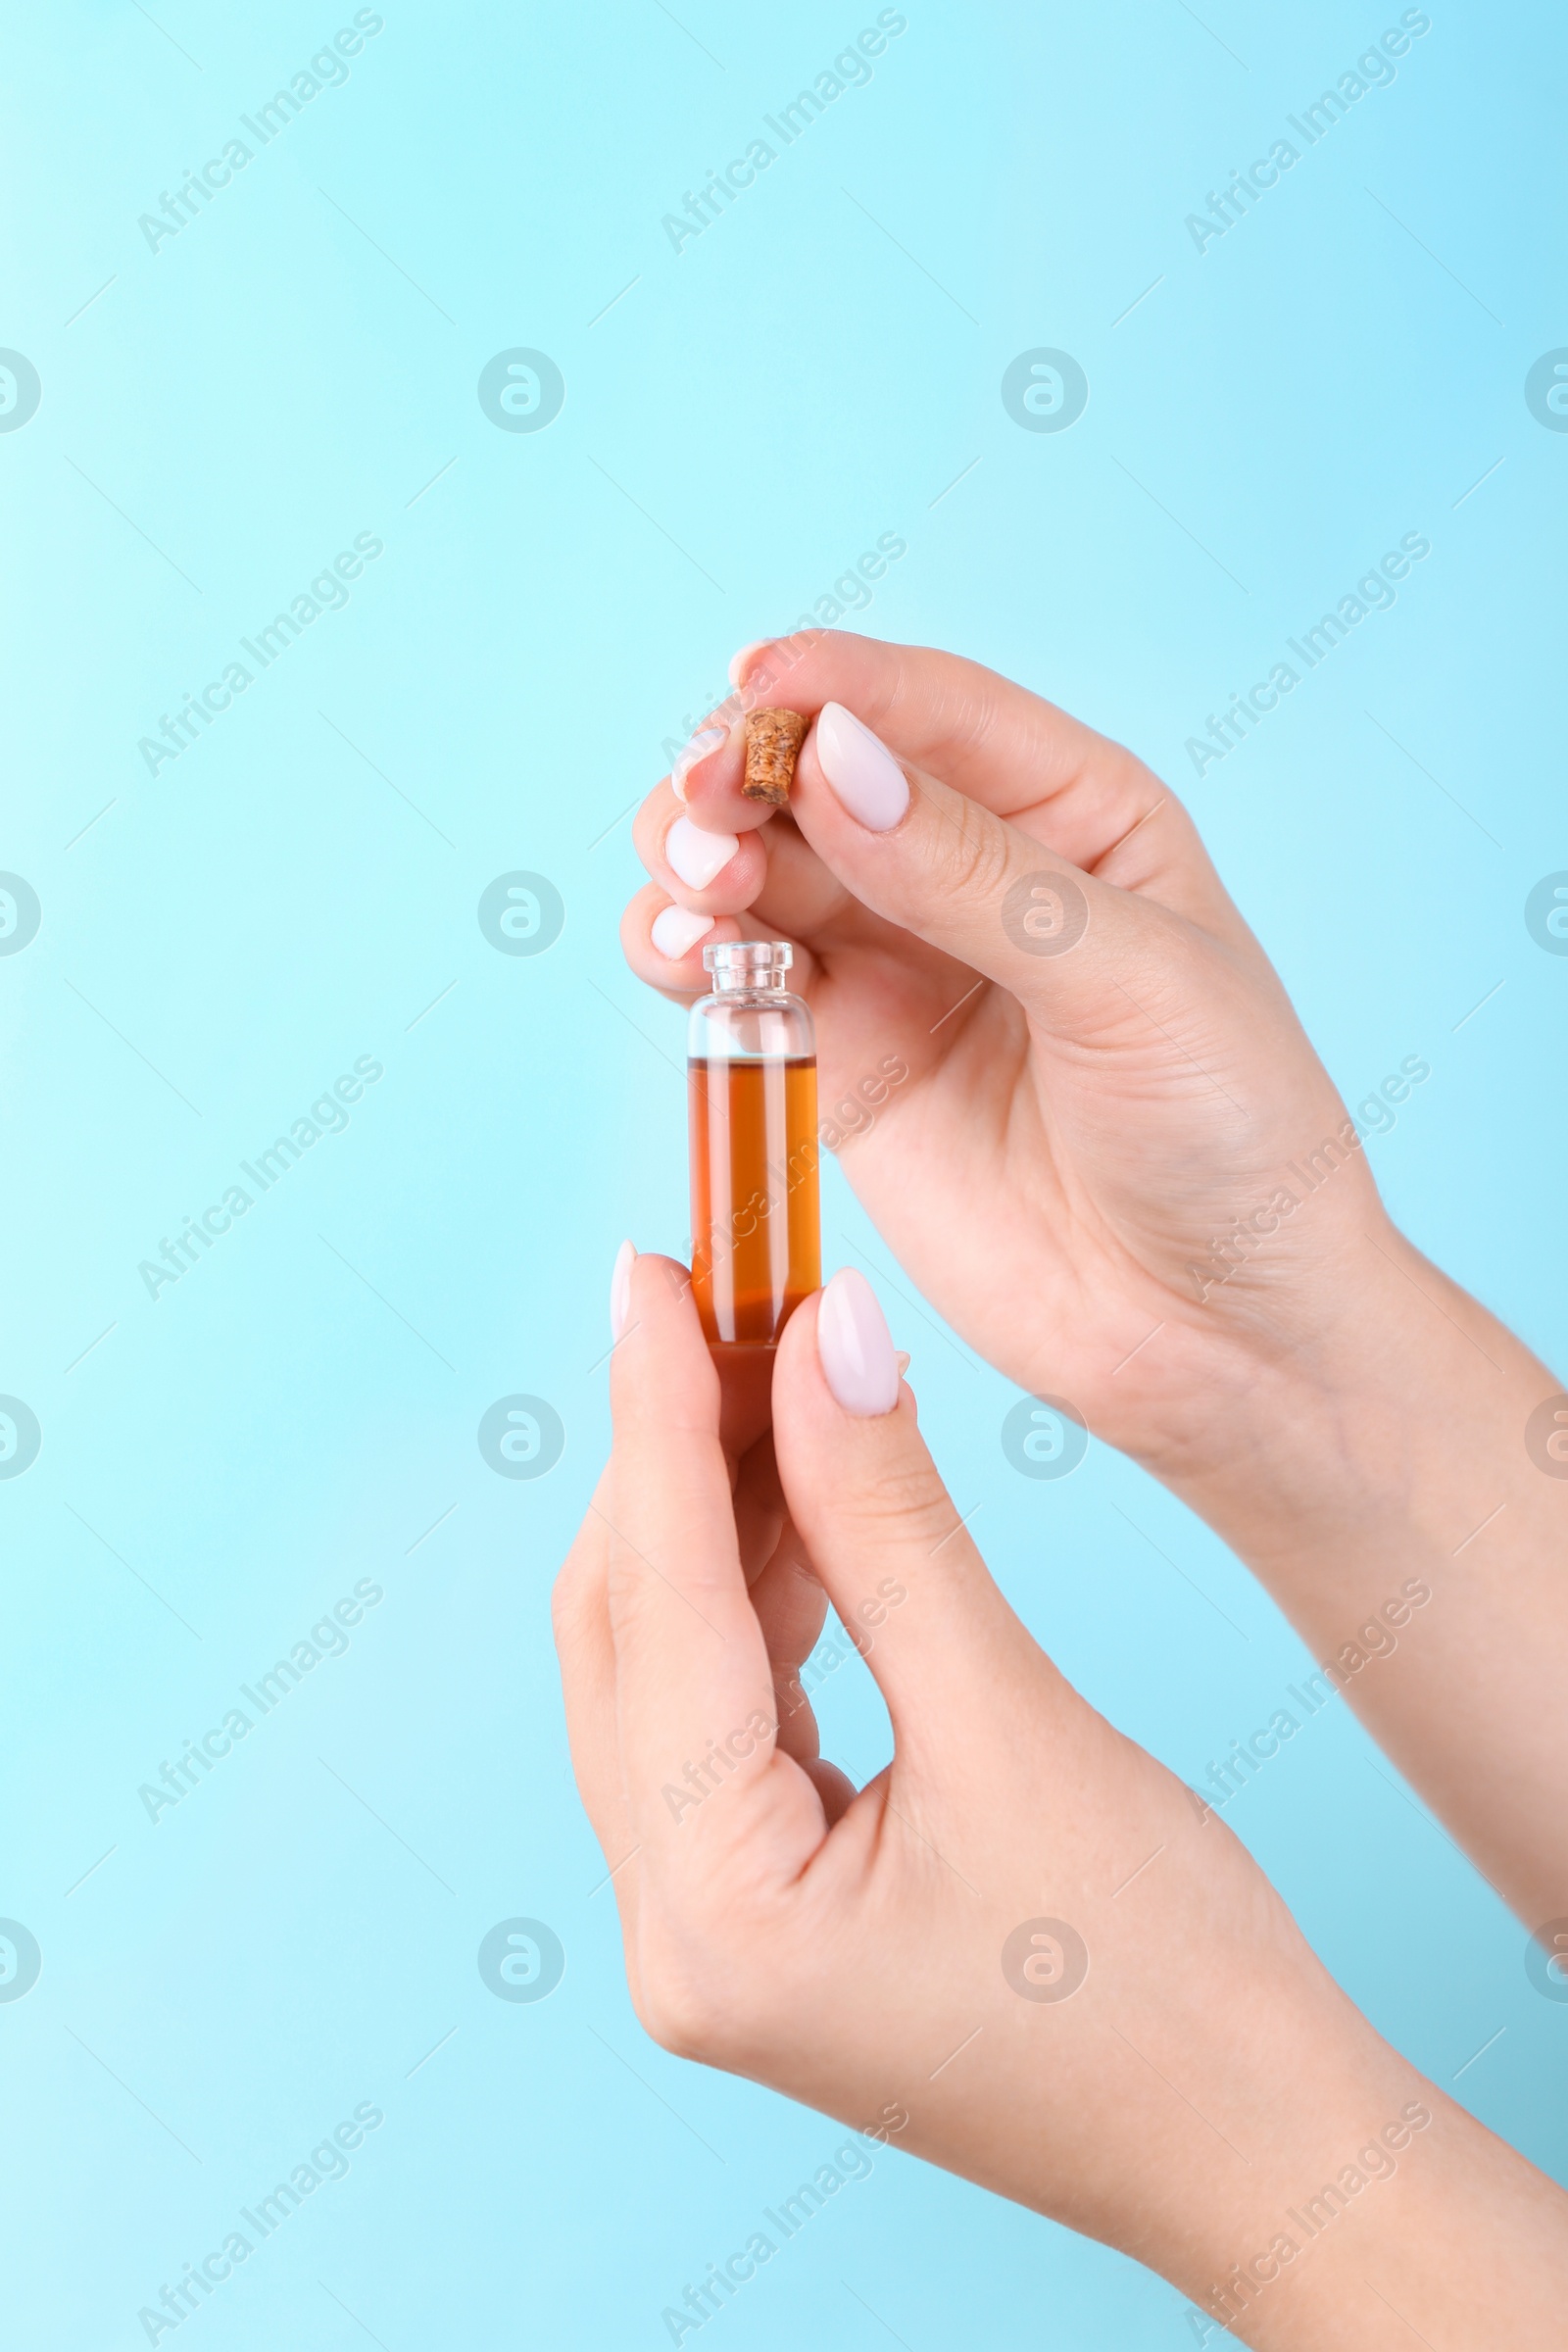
{"x": 1066, "y": 1075}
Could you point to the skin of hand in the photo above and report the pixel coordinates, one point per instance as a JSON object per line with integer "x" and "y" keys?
{"x": 1071, "y": 1092}
{"x": 1023, "y": 1951}
{"x": 1081, "y": 1119}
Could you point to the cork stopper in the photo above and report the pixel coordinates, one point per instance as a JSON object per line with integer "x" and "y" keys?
{"x": 773, "y": 739}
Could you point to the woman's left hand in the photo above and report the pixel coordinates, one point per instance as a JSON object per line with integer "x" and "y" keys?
{"x": 1024, "y": 1946}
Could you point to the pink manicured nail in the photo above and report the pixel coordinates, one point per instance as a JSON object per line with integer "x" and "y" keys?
{"x": 856, "y": 1347}
{"x": 738, "y": 662}
{"x": 860, "y": 768}
{"x": 621, "y": 1289}
{"x": 706, "y": 740}
{"x": 695, "y": 856}
{"x": 676, "y": 931}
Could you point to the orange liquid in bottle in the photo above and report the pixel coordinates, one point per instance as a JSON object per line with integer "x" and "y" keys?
{"x": 755, "y": 1236}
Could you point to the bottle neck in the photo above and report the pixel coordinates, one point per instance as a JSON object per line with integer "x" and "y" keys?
{"x": 748, "y": 968}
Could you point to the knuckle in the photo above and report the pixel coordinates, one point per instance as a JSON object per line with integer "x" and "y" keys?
{"x": 683, "y": 2007}
{"x": 672, "y": 2013}
{"x": 907, "y": 1499}
{"x": 716, "y": 1972}
{"x": 973, "y": 852}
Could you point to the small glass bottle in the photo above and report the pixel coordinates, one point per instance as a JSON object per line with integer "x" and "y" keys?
{"x": 756, "y": 1249}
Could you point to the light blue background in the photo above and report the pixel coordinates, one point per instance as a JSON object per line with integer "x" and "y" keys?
{"x": 299, "y": 888}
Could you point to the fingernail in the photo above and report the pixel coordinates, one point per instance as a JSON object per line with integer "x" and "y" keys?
{"x": 706, "y": 740}
{"x": 695, "y": 856}
{"x": 856, "y": 1347}
{"x": 860, "y": 768}
{"x": 677, "y": 930}
{"x": 621, "y": 1289}
{"x": 738, "y": 662}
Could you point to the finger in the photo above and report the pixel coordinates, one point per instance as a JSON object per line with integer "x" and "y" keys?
{"x": 791, "y": 1605}
{"x": 759, "y": 1506}
{"x": 664, "y": 942}
{"x": 881, "y": 997}
{"x": 879, "y": 1526}
{"x": 988, "y": 738}
{"x": 586, "y": 1650}
{"x": 694, "y": 1689}
{"x": 835, "y": 1789}
{"x": 710, "y": 872}
{"x": 798, "y": 899}
{"x": 708, "y": 772}
{"x": 787, "y": 1597}
{"x": 1078, "y": 952}
{"x": 795, "y": 897}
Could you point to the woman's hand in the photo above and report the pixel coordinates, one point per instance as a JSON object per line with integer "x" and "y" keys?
{"x": 1024, "y": 1949}
{"x": 1074, "y": 1097}
{"x": 1070, "y": 1089}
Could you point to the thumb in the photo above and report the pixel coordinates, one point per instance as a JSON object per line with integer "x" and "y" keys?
{"x": 970, "y": 883}
{"x": 877, "y": 1523}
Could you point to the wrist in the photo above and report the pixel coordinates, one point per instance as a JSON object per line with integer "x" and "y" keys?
{"x": 1390, "y": 1498}
{"x": 1347, "y": 1423}
{"x": 1433, "y": 2230}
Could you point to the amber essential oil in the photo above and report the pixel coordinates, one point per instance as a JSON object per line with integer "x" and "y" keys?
{"x": 756, "y": 1248}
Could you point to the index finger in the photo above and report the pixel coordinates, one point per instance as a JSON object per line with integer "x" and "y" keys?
{"x": 992, "y": 740}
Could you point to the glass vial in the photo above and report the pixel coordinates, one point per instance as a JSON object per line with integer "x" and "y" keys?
{"x": 756, "y": 1249}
